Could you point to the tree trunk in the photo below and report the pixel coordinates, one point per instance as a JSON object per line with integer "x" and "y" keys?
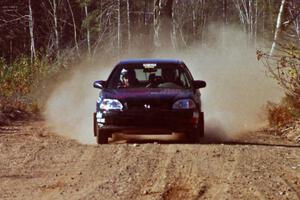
{"x": 174, "y": 29}
{"x": 119, "y": 27}
{"x": 271, "y": 10}
{"x": 145, "y": 14}
{"x": 163, "y": 23}
{"x": 203, "y": 23}
{"x": 250, "y": 21}
{"x": 11, "y": 51}
{"x": 55, "y": 27}
{"x": 241, "y": 14}
{"x": 74, "y": 28}
{"x": 194, "y": 22}
{"x": 263, "y": 21}
{"x": 87, "y": 31}
{"x": 278, "y": 26}
{"x": 256, "y": 22}
{"x": 224, "y": 20}
{"x": 31, "y": 26}
{"x": 297, "y": 27}
{"x": 128, "y": 25}
{"x": 296, "y": 16}
{"x": 245, "y": 13}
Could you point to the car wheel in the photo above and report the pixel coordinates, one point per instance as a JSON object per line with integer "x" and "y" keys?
{"x": 193, "y": 137}
{"x": 196, "y": 134}
{"x": 102, "y": 137}
{"x": 95, "y": 125}
{"x": 201, "y": 125}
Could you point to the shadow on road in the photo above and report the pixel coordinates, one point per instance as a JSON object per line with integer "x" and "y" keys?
{"x": 260, "y": 144}
{"x": 211, "y": 139}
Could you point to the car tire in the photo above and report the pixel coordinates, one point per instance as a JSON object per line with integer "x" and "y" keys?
{"x": 95, "y": 125}
{"x": 196, "y": 134}
{"x": 102, "y": 137}
{"x": 193, "y": 137}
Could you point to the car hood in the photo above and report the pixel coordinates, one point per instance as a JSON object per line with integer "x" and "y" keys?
{"x": 147, "y": 94}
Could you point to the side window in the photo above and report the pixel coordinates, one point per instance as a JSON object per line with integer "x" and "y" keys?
{"x": 183, "y": 79}
{"x": 115, "y": 79}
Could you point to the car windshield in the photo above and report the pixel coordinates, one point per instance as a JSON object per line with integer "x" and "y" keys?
{"x": 149, "y": 76}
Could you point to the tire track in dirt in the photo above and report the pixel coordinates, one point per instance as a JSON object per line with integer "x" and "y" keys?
{"x": 133, "y": 170}
{"x": 179, "y": 175}
{"x": 183, "y": 180}
{"x": 221, "y": 190}
{"x": 37, "y": 164}
{"x": 156, "y": 186}
{"x": 109, "y": 177}
{"x": 281, "y": 178}
{"x": 289, "y": 179}
{"x": 55, "y": 189}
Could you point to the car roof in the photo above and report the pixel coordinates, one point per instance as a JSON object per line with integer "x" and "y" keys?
{"x": 150, "y": 60}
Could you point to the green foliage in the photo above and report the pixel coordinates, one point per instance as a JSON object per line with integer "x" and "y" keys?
{"x": 16, "y": 77}
{"x": 91, "y": 21}
{"x": 20, "y": 79}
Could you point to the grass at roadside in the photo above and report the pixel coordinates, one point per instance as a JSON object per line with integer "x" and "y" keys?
{"x": 19, "y": 83}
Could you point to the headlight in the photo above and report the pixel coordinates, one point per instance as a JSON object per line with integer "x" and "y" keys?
{"x": 111, "y": 104}
{"x": 184, "y": 104}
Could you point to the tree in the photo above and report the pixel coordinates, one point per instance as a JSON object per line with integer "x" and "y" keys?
{"x": 278, "y": 26}
{"x": 14, "y": 36}
{"x": 74, "y": 28}
{"x": 88, "y": 40}
{"x": 119, "y": 26}
{"x": 128, "y": 3}
{"x": 284, "y": 64}
{"x": 31, "y": 27}
{"x": 163, "y": 12}
{"x": 248, "y": 13}
{"x": 67, "y": 28}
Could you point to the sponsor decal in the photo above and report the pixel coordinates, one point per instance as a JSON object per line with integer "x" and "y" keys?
{"x": 147, "y": 106}
{"x": 149, "y": 65}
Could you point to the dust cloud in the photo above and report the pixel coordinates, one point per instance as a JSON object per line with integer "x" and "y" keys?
{"x": 70, "y": 107}
{"x": 237, "y": 89}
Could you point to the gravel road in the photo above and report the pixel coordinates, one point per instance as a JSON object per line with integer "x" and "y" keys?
{"x": 36, "y": 163}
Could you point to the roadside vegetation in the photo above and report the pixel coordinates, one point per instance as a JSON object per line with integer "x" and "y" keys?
{"x": 282, "y": 64}
{"x": 19, "y": 82}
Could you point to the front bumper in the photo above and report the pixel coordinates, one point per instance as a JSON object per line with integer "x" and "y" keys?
{"x": 148, "y": 121}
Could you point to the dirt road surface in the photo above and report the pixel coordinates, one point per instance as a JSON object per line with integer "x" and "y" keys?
{"x": 35, "y": 163}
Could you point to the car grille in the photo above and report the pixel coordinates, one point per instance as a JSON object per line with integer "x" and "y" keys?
{"x": 147, "y": 105}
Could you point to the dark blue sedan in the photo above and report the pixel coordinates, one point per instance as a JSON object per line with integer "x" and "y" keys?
{"x": 149, "y": 96}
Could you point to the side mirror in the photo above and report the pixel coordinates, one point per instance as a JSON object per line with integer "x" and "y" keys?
{"x": 99, "y": 84}
{"x": 199, "y": 84}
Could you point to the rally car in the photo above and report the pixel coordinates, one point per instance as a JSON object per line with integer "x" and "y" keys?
{"x": 149, "y": 96}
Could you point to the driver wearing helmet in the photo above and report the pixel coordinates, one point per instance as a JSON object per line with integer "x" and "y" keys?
{"x": 128, "y": 78}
